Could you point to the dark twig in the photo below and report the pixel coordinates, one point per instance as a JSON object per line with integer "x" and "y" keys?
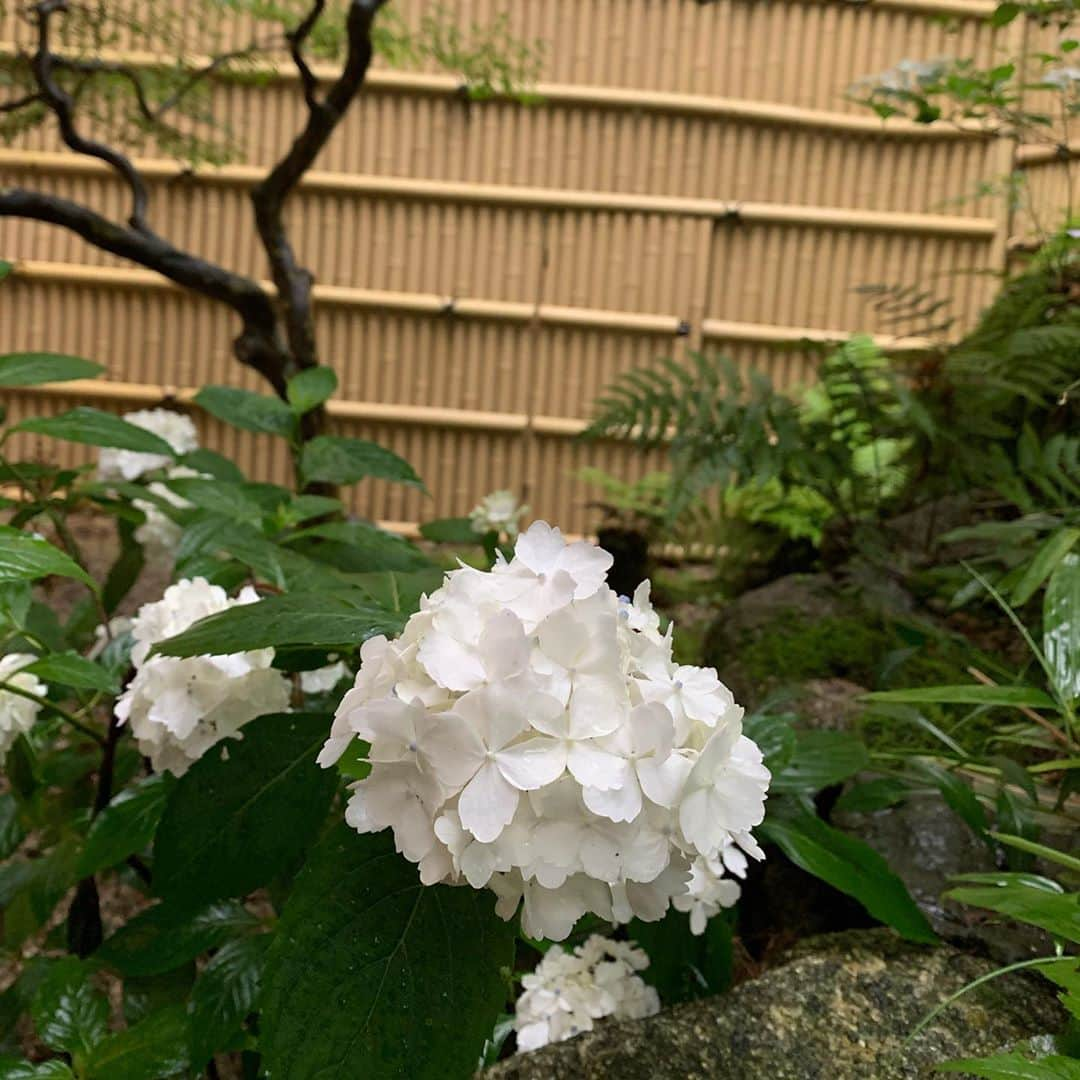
{"x": 20, "y": 102}
{"x": 42, "y": 64}
{"x": 297, "y": 39}
{"x": 294, "y": 282}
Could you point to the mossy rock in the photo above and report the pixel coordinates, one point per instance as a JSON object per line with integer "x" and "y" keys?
{"x": 842, "y": 1008}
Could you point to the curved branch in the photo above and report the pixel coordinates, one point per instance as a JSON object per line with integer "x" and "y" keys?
{"x": 258, "y": 346}
{"x": 296, "y": 39}
{"x": 60, "y": 102}
{"x": 293, "y": 281}
{"x": 20, "y": 102}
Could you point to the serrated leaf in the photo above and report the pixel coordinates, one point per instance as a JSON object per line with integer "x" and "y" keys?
{"x": 162, "y": 938}
{"x": 34, "y": 368}
{"x": 334, "y": 459}
{"x": 415, "y": 972}
{"x": 246, "y": 410}
{"x": 310, "y": 388}
{"x": 224, "y": 994}
{"x": 849, "y": 865}
{"x": 27, "y": 558}
{"x": 55, "y": 1069}
{"x": 70, "y": 669}
{"x": 213, "y": 464}
{"x": 217, "y": 496}
{"x": 153, "y": 1049}
{"x": 245, "y": 811}
{"x": 92, "y": 427}
{"x": 69, "y": 1014}
{"x": 359, "y": 547}
{"x": 127, "y": 825}
{"x": 313, "y": 620}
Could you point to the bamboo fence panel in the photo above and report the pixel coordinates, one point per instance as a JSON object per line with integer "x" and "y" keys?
{"x": 693, "y": 178}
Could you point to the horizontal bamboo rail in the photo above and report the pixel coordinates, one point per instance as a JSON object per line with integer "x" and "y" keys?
{"x": 508, "y": 195}
{"x": 369, "y": 411}
{"x": 506, "y": 311}
{"x": 603, "y": 97}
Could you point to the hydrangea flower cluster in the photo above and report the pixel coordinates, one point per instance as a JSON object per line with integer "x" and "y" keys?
{"x": 17, "y": 714}
{"x": 569, "y": 991}
{"x": 179, "y": 708}
{"x": 175, "y": 428}
{"x": 499, "y": 513}
{"x": 530, "y": 732}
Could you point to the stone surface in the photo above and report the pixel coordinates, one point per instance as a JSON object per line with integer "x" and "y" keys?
{"x": 841, "y": 1008}
{"x": 828, "y": 704}
{"x": 926, "y": 844}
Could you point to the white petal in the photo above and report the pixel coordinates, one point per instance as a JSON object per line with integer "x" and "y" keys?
{"x": 504, "y": 647}
{"x": 533, "y": 763}
{"x": 618, "y": 804}
{"x": 487, "y": 804}
{"x": 539, "y": 546}
{"x": 450, "y": 748}
{"x": 592, "y": 766}
{"x": 663, "y": 781}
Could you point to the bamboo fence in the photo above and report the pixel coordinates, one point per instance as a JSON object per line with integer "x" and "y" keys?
{"x": 692, "y": 179}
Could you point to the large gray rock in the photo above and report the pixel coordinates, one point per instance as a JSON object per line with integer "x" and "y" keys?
{"x": 842, "y": 1008}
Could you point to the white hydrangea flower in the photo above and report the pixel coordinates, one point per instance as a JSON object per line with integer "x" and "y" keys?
{"x": 159, "y": 535}
{"x": 179, "y": 707}
{"x": 175, "y": 428}
{"x": 1063, "y": 78}
{"x": 530, "y": 733}
{"x": 324, "y": 679}
{"x": 499, "y": 513}
{"x": 17, "y": 714}
{"x": 118, "y": 626}
{"x": 568, "y": 992}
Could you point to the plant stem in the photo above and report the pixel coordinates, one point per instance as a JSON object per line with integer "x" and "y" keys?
{"x": 45, "y": 703}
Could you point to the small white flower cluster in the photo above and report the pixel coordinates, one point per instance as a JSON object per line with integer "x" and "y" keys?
{"x": 175, "y": 428}
{"x": 499, "y": 513}
{"x": 906, "y": 77}
{"x": 323, "y": 680}
{"x": 1065, "y": 78}
{"x": 569, "y": 991}
{"x": 179, "y": 708}
{"x": 159, "y": 535}
{"x": 17, "y": 714}
{"x": 530, "y": 732}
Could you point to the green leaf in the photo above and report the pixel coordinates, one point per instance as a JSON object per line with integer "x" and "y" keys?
{"x": 450, "y": 531}
{"x": 334, "y": 459}
{"x": 217, "y": 496}
{"x": 33, "y": 368}
{"x": 125, "y": 571}
{"x": 1025, "y": 897}
{"x": 1005, "y": 13}
{"x": 958, "y": 795}
{"x": 359, "y": 547}
{"x": 96, "y": 428}
{"x": 1061, "y": 627}
{"x": 224, "y": 994}
{"x": 245, "y": 811}
{"x": 775, "y": 736}
{"x": 244, "y": 409}
{"x": 213, "y": 464}
{"x": 393, "y": 591}
{"x": 154, "y": 1048}
{"x": 149, "y": 993}
{"x": 850, "y": 866}
{"x": 415, "y": 973}
{"x": 70, "y": 669}
{"x": 5, "y": 268}
{"x": 310, "y": 388}
{"x": 126, "y": 826}
{"x": 69, "y": 1014}
{"x": 1015, "y": 1066}
{"x": 820, "y": 759}
{"x": 11, "y": 830}
{"x": 1043, "y": 564}
{"x": 163, "y": 937}
{"x": 26, "y": 558}
{"x": 872, "y": 795}
{"x": 975, "y": 694}
{"x": 54, "y": 1069}
{"x": 297, "y": 619}
{"x": 683, "y": 965}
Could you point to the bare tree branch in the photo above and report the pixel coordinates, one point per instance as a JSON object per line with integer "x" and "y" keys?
{"x": 20, "y": 102}
{"x": 293, "y": 281}
{"x": 210, "y": 69}
{"x": 60, "y": 102}
{"x": 296, "y": 39}
{"x": 258, "y": 346}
